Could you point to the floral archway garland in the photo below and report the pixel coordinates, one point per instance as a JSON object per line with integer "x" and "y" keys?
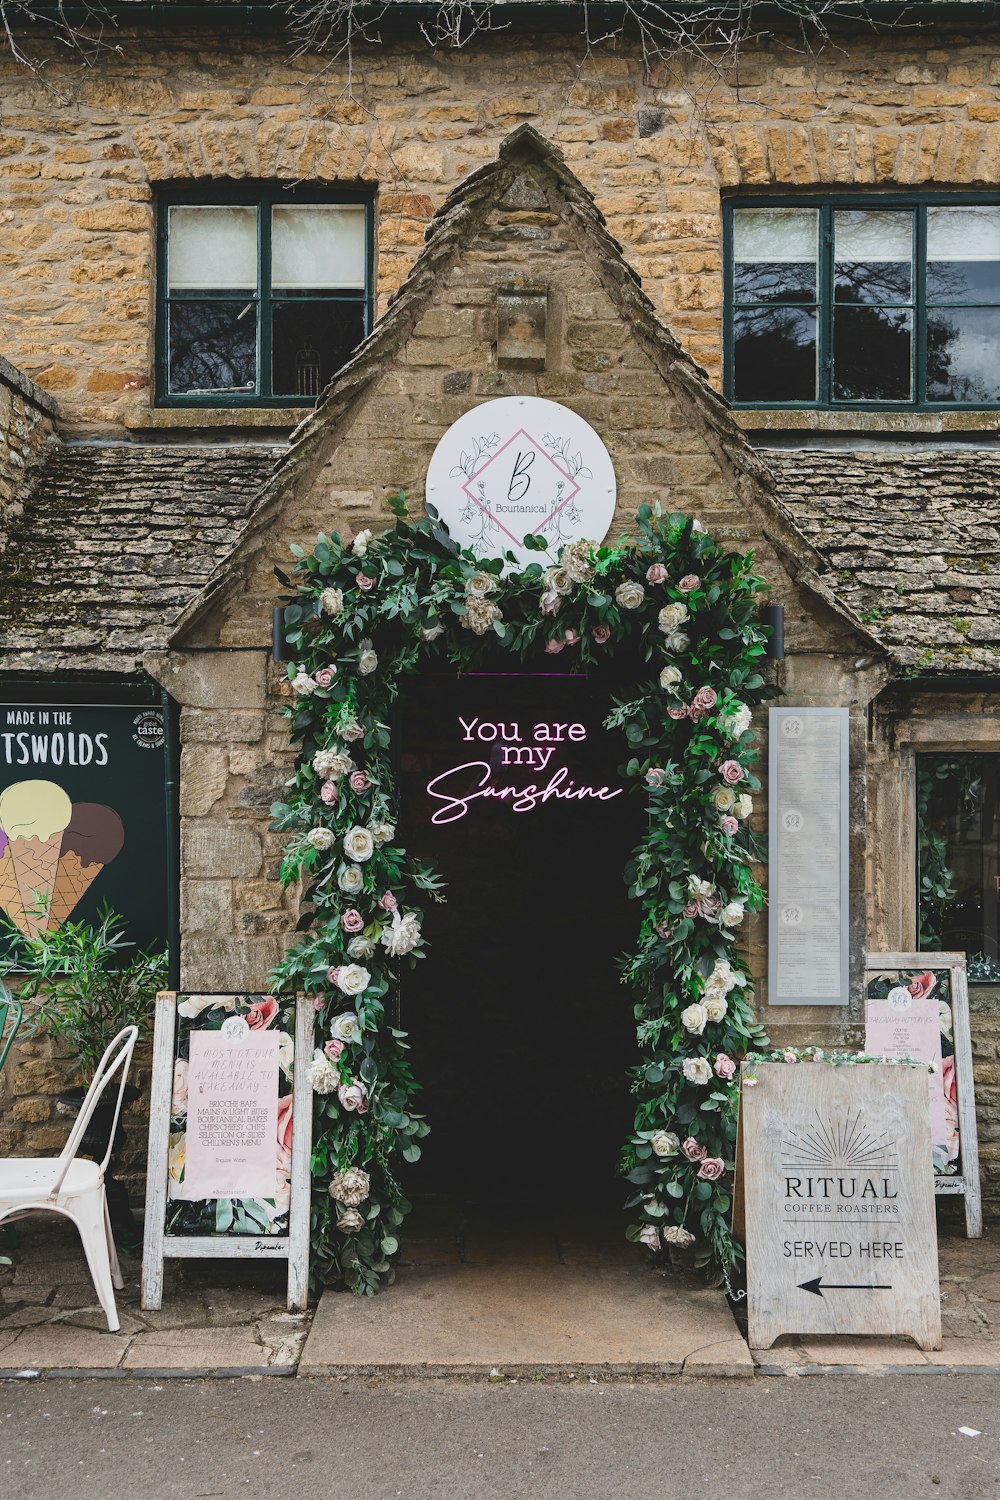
{"x": 366, "y": 614}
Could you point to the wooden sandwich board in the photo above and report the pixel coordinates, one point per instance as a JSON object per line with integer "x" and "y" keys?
{"x": 836, "y": 1202}
{"x": 225, "y": 1095}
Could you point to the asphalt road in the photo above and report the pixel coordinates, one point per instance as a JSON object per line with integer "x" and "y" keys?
{"x": 811, "y": 1439}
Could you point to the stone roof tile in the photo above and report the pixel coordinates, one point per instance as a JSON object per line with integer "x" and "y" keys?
{"x": 911, "y": 538}
{"x": 113, "y": 543}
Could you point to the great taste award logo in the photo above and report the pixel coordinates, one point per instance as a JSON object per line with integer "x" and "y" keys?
{"x": 522, "y": 466}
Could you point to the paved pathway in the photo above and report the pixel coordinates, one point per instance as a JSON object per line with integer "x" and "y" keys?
{"x": 489, "y": 1301}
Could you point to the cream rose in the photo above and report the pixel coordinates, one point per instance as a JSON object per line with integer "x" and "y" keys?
{"x": 649, "y": 1236}
{"x": 359, "y": 844}
{"x": 723, "y": 798}
{"x": 480, "y": 615}
{"x": 670, "y": 676}
{"x": 694, "y": 1018}
{"x": 350, "y": 879}
{"x": 352, "y": 979}
{"x": 331, "y": 601}
{"x": 346, "y": 1027}
{"x": 736, "y": 722}
{"x": 361, "y": 947}
{"x": 697, "y": 1070}
{"x": 193, "y": 1005}
{"x": 700, "y": 890}
{"x": 557, "y": 581}
{"x": 665, "y": 1143}
{"x": 360, "y": 544}
{"x": 732, "y": 915}
{"x": 672, "y": 617}
{"x": 367, "y": 659}
{"x": 303, "y": 685}
{"x": 629, "y": 595}
{"x": 431, "y": 632}
{"x": 681, "y": 1239}
{"x": 350, "y": 1187}
{"x": 743, "y": 806}
{"x": 677, "y": 642}
{"x": 320, "y": 838}
{"x": 480, "y": 584}
{"x": 715, "y": 1007}
{"x": 382, "y": 833}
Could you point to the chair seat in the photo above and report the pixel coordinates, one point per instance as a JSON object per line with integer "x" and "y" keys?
{"x": 24, "y": 1177}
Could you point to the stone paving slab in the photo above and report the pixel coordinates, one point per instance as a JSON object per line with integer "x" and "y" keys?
{"x": 215, "y": 1319}
{"x": 528, "y": 1319}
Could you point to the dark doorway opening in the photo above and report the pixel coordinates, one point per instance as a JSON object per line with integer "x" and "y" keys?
{"x": 521, "y": 1032}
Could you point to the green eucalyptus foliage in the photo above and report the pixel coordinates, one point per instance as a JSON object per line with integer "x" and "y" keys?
{"x": 365, "y": 615}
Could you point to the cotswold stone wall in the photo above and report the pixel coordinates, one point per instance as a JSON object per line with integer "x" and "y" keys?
{"x": 913, "y": 108}
{"x": 26, "y": 425}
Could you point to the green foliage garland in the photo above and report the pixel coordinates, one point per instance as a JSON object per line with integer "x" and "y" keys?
{"x": 363, "y": 617}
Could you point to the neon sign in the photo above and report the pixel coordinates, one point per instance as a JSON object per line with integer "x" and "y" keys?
{"x": 497, "y": 778}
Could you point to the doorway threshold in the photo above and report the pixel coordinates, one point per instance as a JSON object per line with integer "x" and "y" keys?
{"x": 522, "y": 1296}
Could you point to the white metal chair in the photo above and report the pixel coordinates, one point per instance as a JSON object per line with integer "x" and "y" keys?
{"x": 66, "y": 1184}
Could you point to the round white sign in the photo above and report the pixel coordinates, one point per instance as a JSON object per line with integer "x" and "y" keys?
{"x": 518, "y": 466}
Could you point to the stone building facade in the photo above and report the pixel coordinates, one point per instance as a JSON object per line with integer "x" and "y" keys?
{"x": 142, "y": 535}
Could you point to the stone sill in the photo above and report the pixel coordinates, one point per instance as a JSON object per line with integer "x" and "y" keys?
{"x": 200, "y": 418}
{"x": 865, "y": 424}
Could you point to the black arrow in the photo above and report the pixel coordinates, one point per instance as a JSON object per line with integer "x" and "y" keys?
{"x": 837, "y": 1286}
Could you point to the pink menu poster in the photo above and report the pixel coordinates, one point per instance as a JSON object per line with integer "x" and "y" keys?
{"x": 906, "y": 1025}
{"x": 232, "y": 1122}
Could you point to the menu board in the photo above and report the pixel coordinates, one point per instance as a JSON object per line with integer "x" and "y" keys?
{"x": 808, "y": 795}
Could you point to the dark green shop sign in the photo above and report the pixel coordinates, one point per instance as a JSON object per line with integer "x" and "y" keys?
{"x": 82, "y": 817}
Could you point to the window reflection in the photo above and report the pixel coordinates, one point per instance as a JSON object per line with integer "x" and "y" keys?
{"x": 775, "y": 354}
{"x": 212, "y": 347}
{"x": 871, "y": 354}
{"x": 958, "y": 800}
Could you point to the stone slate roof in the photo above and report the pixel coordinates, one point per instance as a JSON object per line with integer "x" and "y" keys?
{"x": 112, "y": 543}
{"x": 913, "y": 541}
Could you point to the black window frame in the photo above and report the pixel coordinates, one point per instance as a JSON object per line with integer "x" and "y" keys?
{"x": 262, "y": 196}
{"x": 828, "y": 204}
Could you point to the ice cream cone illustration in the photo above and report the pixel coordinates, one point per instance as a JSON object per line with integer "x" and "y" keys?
{"x": 94, "y": 835}
{"x": 33, "y": 815}
{"x": 10, "y": 895}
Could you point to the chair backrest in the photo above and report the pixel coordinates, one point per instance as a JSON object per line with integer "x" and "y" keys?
{"x": 117, "y": 1056}
{"x": 10, "y": 1019}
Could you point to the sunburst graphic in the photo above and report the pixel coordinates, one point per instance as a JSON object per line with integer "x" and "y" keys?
{"x": 846, "y": 1145}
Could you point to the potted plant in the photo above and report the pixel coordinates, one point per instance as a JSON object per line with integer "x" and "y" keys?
{"x": 86, "y": 985}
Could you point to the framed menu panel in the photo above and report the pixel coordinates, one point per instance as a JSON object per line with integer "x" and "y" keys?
{"x": 917, "y": 1005}
{"x": 808, "y": 850}
{"x": 229, "y": 1136}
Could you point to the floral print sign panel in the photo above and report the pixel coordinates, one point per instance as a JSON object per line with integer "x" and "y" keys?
{"x": 909, "y": 1011}
{"x": 229, "y": 1169}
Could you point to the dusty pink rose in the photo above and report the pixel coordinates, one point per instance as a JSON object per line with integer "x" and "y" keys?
{"x": 691, "y": 909}
{"x": 731, "y": 772}
{"x": 365, "y": 582}
{"x": 693, "y": 1151}
{"x": 712, "y": 1168}
{"x": 678, "y": 713}
{"x": 388, "y": 902}
{"x": 696, "y": 714}
{"x": 554, "y": 647}
{"x": 285, "y": 1129}
{"x": 705, "y": 698}
{"x": 689, "y": 583}
{"x": 663, "y": 931}
{"x": 730, "y": 825}
{"x": 655, "y": 775}
{"x": 324, "y": 676}
{"x": 571, "y": 637}
{"x": 709, "y": 906}
{"x": 352, "y": 920}
{"x": 328, "y": 793}
{"x": 656, "y": 573}
{"x": 179, "y": 1103}
{"x": 550, "y": 603}
{"x": 921, "y": 985}
{"x": 789, "y": 1057}
{"x": 262, "y": 1013}
{"x": 600, "y": 634}
{"x": 360, "y": 781}
{"x": 353, "y": 1096}
{"x": 352, "y": 730}
{"x": 333, "y": 974}
{"x": 724, "y": 1066}
{"x": 318, "y": 1002}
{"x": 333, "y": 1050}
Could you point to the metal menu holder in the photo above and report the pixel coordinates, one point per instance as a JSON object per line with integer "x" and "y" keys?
{"x": 808, "y": 852}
